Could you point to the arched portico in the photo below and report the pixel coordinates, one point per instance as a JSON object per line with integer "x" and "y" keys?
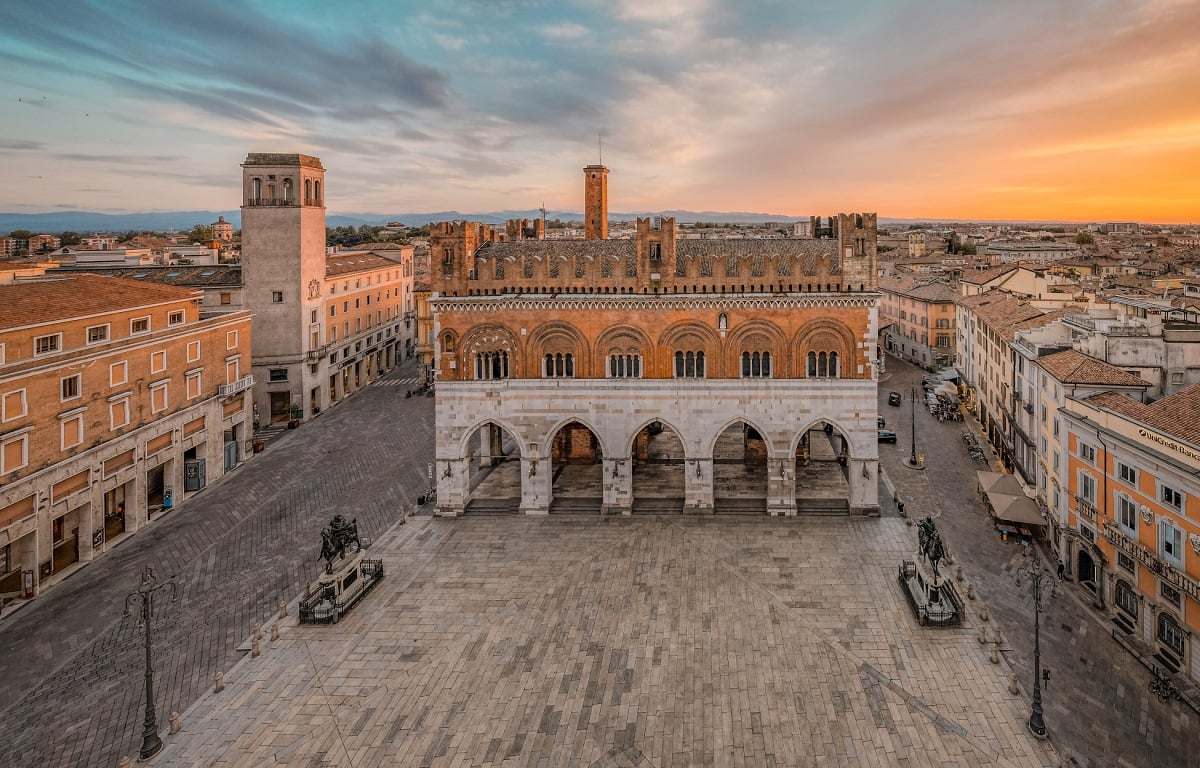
{"x": 739, "y": 456}
{"x": 657, "y": 468}
{"x": 485, "y": 475}
{"x": 576, "y": 464}
{"x": 821, "y": 470}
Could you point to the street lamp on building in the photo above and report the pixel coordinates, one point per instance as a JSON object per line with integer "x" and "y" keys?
{"x": 1035, "y": 573}
{"x": 144, "y": 597}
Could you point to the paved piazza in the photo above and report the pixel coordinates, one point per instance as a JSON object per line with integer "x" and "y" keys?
{"x": 665, "y": 641}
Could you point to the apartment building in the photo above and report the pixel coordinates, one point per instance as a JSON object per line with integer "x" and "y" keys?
{"x": 918, "y": 314}
{"x": 117, "y": 403}
{"x": 1133, "y": 477}
{"x": 986, "y": 327}
{"x": 1044, "y": 377}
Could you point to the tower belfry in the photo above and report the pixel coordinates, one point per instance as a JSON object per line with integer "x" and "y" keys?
{"x": 595, "y": 202}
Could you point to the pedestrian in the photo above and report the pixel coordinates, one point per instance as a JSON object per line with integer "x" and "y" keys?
{"x": 900, "y": 507}
{"x": 1061, "y": 570}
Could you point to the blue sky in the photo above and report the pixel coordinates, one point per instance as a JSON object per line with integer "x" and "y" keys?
{"x": 955, "y": 108}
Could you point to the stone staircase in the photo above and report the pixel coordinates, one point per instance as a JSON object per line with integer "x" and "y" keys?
{"x": 576, "y": 505}
{"x": 658, "y": 506}
{"x": 819, "y": 506}
{"x": 739, "y": 506}
{"x": 493, "y": 506}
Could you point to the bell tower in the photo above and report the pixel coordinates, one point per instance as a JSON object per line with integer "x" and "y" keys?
{"x": 595, "y": 202}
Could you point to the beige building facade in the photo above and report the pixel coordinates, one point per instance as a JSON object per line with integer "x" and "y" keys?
{"x": 117, "y": 403}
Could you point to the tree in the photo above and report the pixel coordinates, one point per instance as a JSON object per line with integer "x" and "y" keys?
{"x": 71, "y": 238}
{"x": 20, "y": 234}
{"x": 201, "y": 233}
{"x": 1084, "y": 238}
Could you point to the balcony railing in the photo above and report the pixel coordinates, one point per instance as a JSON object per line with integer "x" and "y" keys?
{"x": 240, "y": 385}
{"x": 1085, "y": 508}
{"x": 1160, "y": 567}
{"x": 271, "y": 201}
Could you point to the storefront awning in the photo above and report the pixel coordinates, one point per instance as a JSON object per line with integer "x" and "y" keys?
{"x": 999, "y": 482}
{"x": 1018, "y": 510}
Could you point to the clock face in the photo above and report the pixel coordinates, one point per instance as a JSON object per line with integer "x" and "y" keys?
{"x": 314, "y": 288}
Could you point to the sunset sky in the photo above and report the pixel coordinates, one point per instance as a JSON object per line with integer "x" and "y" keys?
{"x": 968, "y": 109}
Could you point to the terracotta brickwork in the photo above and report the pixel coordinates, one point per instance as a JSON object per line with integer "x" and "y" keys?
{"x": 571, "y": 348}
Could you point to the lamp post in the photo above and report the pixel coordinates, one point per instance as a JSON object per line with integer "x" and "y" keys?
{"x": 912, "y": 459}
{"x": 1037, "y": 725}
{"x": 144, "y": 596}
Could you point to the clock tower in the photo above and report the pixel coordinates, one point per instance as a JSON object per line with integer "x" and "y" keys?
{"x": 283, "y": 275}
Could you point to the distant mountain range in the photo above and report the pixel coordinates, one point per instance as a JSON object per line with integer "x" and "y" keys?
{"x": 162, "y": 221}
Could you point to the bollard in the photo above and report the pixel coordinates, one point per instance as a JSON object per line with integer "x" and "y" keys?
{"x": 218, "y": 682}
{"x": 958, "y": 573}
{"x": 970, "y": 591}
{"x": 995, "y": 657}
{"x": 255, "y": 650}
{"x": 257, "y": 631}
{"x": 282, "y": 609}
{"x": 908, "y": 521}
{"x": 983, "y": 612}
{"x": 125, "y": 762}
{"x": 174, "y": 723}
{"x": 274, "y": 631}
{"x": 982, "y": 638}
{"x": 1013, "y": 687}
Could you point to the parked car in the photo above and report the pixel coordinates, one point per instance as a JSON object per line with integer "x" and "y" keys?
{"x": 881, "y": 421}
{"x": 894, "y": 398}
{"x": 887, "y": 436}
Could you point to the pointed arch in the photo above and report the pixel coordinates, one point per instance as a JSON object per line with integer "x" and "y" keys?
{"x": 720, "y": 430}
{"x": 469, "y": 432}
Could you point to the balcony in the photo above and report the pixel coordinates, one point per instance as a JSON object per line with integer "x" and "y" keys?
{"x": 258, "y": 202}
{"x": 1085, "y": 508}
{"x": 313, "y": 355}
{"x": 1159, "y": 567}
{"x": 240, "y": 385}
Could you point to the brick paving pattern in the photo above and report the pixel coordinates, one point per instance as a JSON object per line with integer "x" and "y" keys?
{"x": 72, "y": 667}
{"x": 586, "y": 641}
{"x": 1098, "y": 707}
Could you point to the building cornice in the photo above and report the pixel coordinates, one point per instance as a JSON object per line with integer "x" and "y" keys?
{"x": 657, "y": 301}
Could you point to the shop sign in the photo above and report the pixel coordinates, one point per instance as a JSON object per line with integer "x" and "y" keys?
{"x": 1178, "y": 447}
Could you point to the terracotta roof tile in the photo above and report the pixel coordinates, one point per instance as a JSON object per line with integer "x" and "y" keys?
{"x": 348, "y": 262}
{"x": 61, "y": 297}
{"x": 1176, "y": 415}
{"x": 1074, "y": 367}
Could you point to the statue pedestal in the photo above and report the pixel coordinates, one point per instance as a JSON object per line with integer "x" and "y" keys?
{"x": 334, "y": 593}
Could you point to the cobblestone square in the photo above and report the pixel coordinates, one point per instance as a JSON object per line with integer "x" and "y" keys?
{"x": 562, "y": 641}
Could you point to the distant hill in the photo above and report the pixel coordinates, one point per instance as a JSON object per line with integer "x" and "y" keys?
{"x": 162, "y": 221}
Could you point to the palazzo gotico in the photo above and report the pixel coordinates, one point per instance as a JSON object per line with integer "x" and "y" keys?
{"x": 655, "y": 374}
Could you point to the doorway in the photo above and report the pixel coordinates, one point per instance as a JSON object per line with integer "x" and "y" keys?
{"x": 1087, "y": 571}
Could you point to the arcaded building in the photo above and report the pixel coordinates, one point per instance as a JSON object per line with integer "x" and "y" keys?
{"x": 655, "y": 374}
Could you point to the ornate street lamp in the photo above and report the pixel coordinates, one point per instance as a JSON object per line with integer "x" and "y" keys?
{"x": 1037, "y": 725}
{"x": 144, "y": 596}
